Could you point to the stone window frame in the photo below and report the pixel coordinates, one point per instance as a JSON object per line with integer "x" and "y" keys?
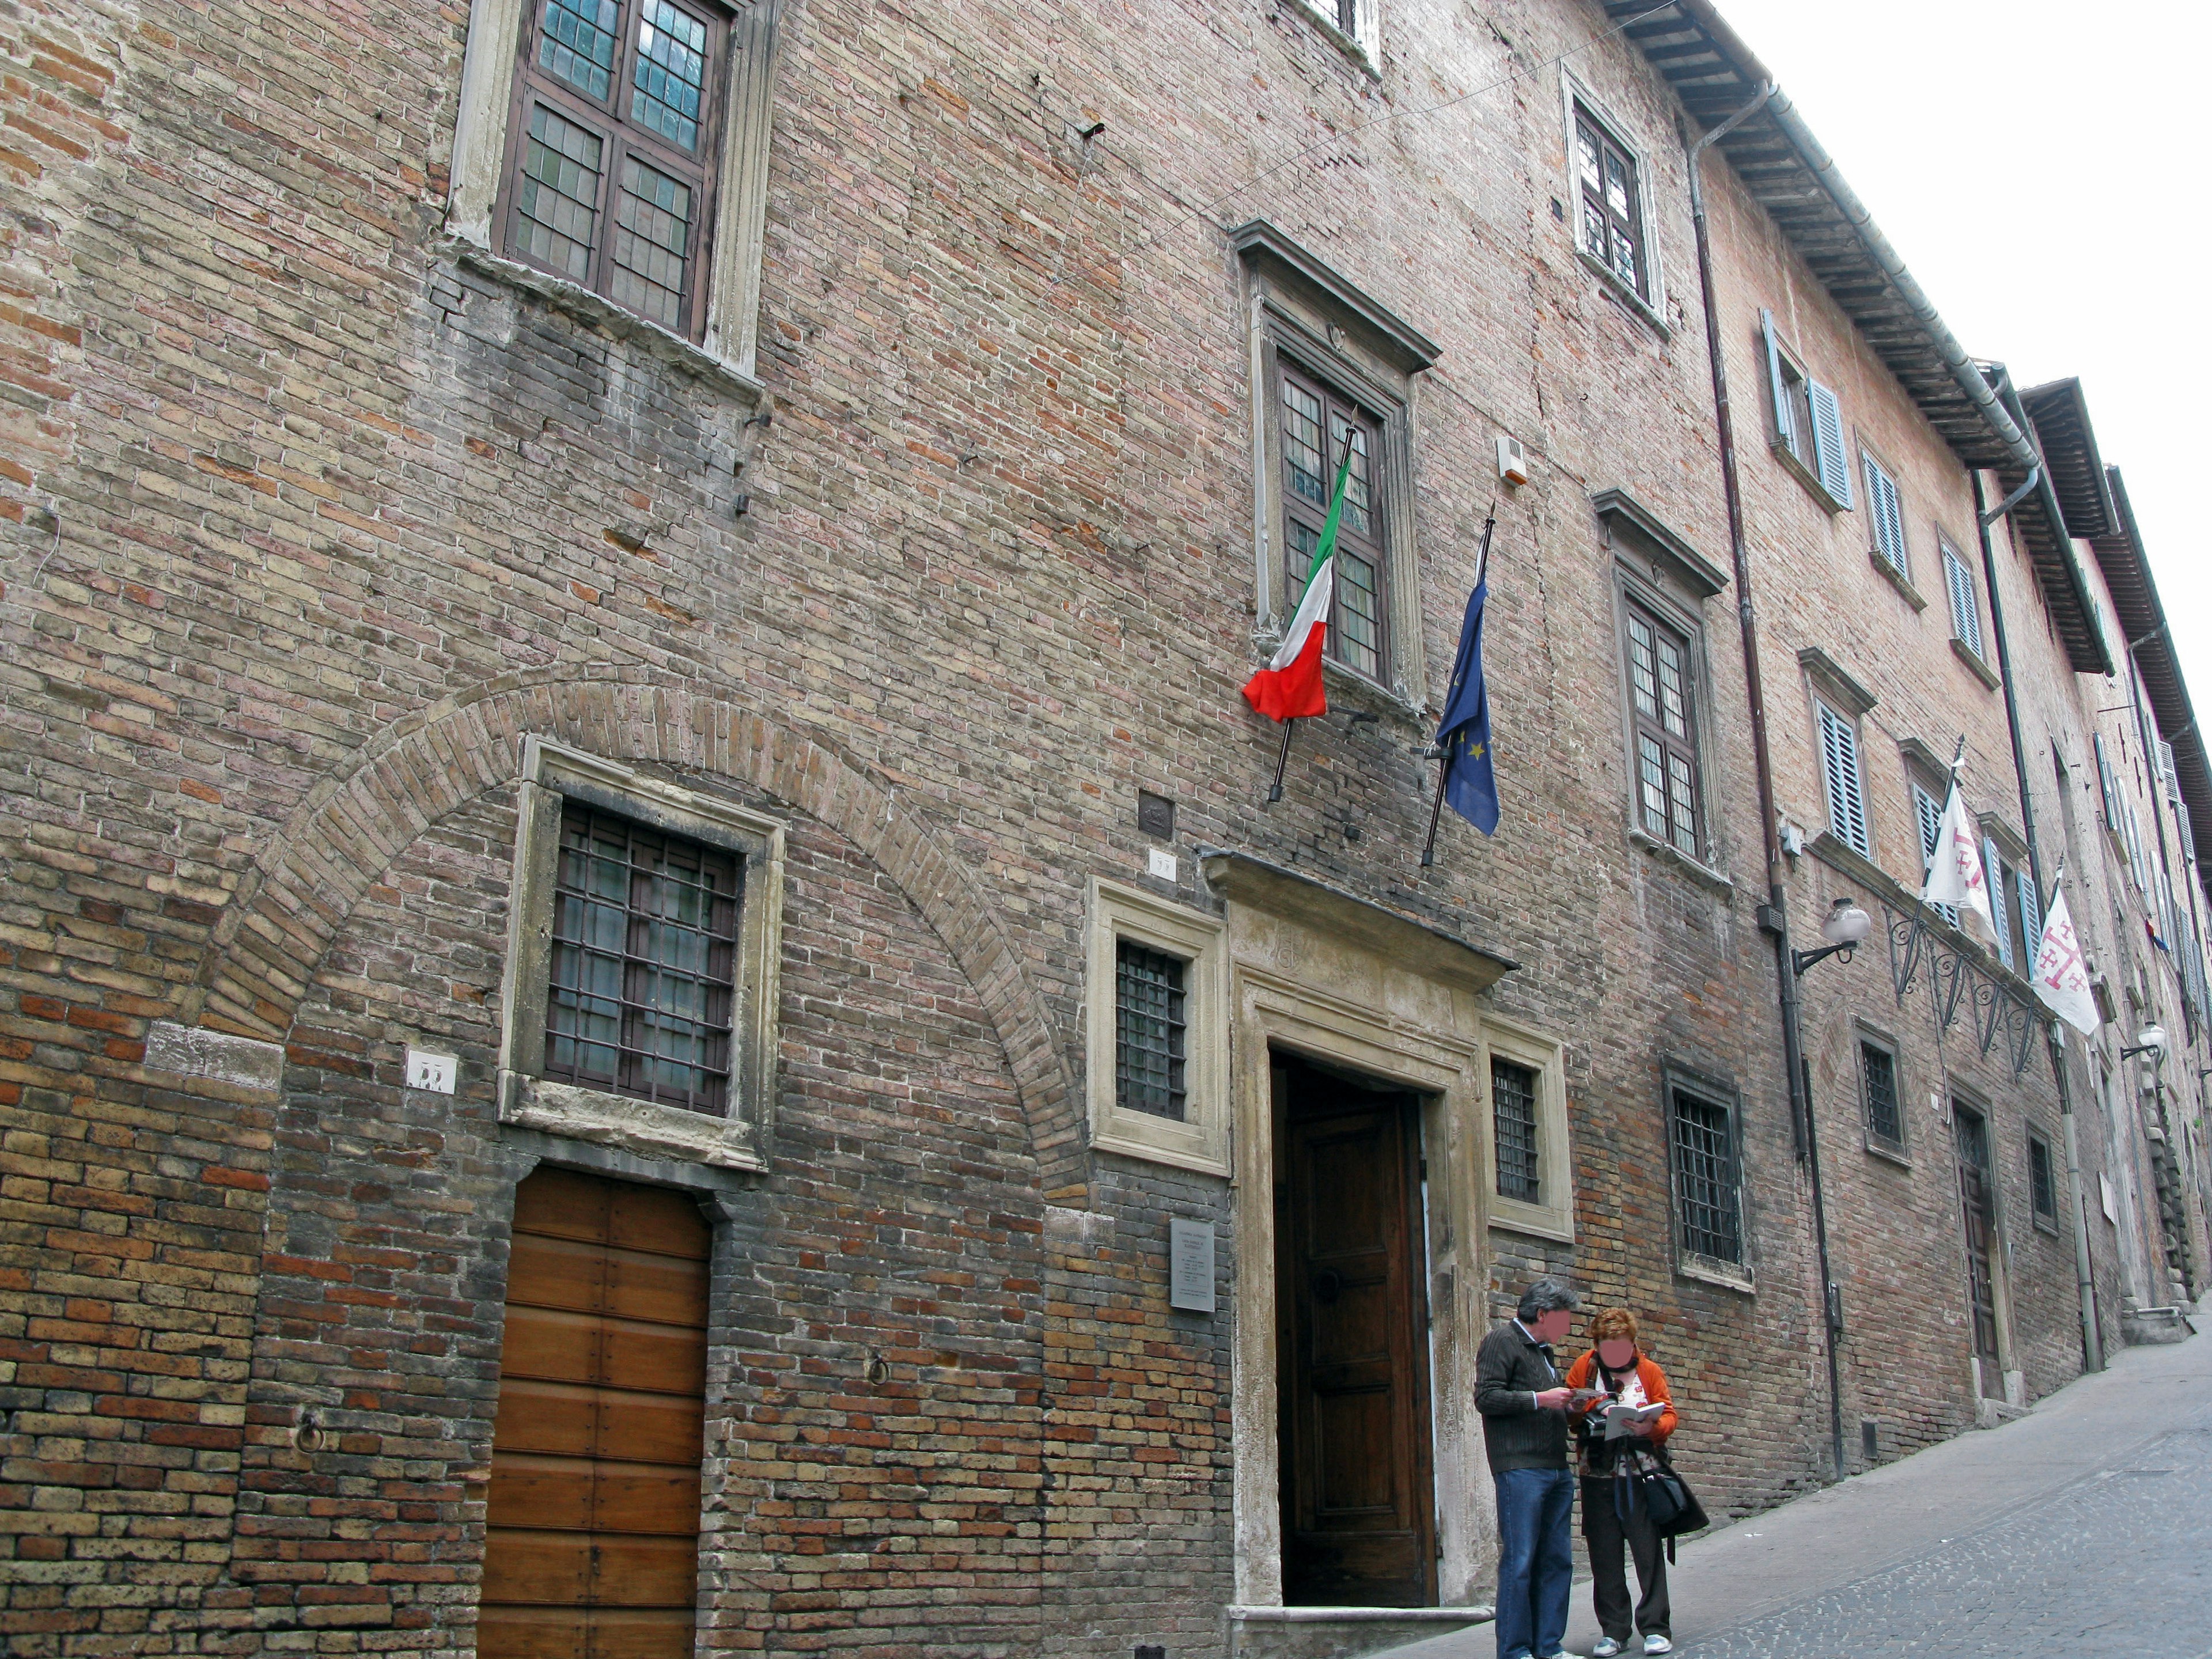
{"x": 552, "y": 774}
{"x": 1577, "y": 98}
{"x": 1899, "y": 1151}
{"x": 739, "y": 209}
{"x": 1363, "y": 41}
{"x": 1552, "y": 1215}
{"x": 1302, "y": 313}
{"x": 1656, "y": 570}
{"x": 1200, "y": 1140}
{"x": 1710, "y": 1091}
{"x": 1833, "y": 694}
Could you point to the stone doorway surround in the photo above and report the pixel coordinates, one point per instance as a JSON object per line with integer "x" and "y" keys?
{"x": 1331, "y": 978}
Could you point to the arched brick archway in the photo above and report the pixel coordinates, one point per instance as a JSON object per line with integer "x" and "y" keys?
{"x": 338, "y": 842}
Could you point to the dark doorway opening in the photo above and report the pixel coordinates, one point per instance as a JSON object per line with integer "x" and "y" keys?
{"x": 1975, "y": 1198}
{"x": 1358, "y": 1511}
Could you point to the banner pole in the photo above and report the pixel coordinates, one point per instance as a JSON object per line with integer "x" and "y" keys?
{"x": 1436, "y": 810}
{"x": 1282, "y": 760}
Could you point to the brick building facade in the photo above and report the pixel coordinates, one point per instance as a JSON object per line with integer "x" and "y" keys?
{"x": 639, "y": 898}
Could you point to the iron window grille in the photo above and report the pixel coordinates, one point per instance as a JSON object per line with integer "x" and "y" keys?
{"x": 1316, "y": 424}
{"x": 2042, "y": 1187}
{"x": 1708, "y": 1211}
{"x": 1612, "y": 222}
{"x": 1149, "y": 1000}
{"x": 1966, "y": 602}
{"x": 1885, "y": 1121}
{"x": 645, "y": 928}
{"x": 1513, "y": 1114}
{"x": 1846, "y": 786}
{"x": 1667, "y": 781}
{"x": 611, "y": 154}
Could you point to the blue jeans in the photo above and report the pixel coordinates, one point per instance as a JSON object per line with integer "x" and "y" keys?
{"x": 1536, "y": 1560}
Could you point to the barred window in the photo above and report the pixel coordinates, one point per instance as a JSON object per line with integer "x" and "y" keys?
{"x": 1148, "y": 1030}
{"x": 612, "y": 168}
{"x": 1318, "y": 428}
{"x": 1707, "y": 1207}
{"x": 645, "y": 928}
{"x": 1513, "y": 1114}
{"x": 1666, "y": 743}
{"x": 2042, "y": 1184}
{"x": 1878, "y": 1083}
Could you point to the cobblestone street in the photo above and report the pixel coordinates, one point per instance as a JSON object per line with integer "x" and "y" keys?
{"x": 2085, "y": 1527}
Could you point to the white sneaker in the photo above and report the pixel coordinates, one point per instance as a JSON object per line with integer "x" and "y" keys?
{"x": 1606, "y": 1648}
{"x": 1657, "y": 1645}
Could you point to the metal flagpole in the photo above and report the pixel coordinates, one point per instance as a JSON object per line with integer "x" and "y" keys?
{"x": 1442, "y": 752}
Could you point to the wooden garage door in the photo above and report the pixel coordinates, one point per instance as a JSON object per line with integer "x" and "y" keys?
{"x": 593, "y": 1542}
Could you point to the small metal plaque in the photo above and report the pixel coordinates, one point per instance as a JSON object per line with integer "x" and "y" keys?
{"x": 1155, "y": 816}
{"x": 1190, "y": 1266}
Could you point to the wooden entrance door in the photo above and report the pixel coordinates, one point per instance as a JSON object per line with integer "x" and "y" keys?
{"x": 592, "y": 1546}
{"x": 1359, "y": 1515}
{"x": 1972, "y": 1134}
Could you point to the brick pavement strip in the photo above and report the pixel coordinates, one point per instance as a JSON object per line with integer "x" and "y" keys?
{"x": 2086, "y": 1521}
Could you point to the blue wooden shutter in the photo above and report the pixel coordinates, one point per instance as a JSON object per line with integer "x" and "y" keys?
{"x": 1785, "y": 421}
{"x": 1829, "y": 461}
{"x": 1966, "y": 603}
{"x": 2031, "y": 918}
{"x": 1839, "y": 747}
{"x": 1886, "y": 511}
{"x": 1992, "y": 873}
{"x": 1930, "y": 811}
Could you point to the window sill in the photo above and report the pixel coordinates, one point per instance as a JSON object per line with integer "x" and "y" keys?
{"x": 2047, "y": 1225}
{"x": 1728, "y": 1275}
{"x": 1629, "y": 299}
{"x": 1336, "y": 37}
{"x": 1980, "y": 670}
{"x": 1897, "y": 580}
{"x": 1806, "y": 475}
{"x": 643, "y": 1127}
{"x": 1203, "y": 1159}
{"x": 1513, "y": 1215}
{"x": 596, "y": 309}
{"x": 1882, "y": 1149}
{"x": 1335, "y": 678}
{"x": 1693, "y": 867}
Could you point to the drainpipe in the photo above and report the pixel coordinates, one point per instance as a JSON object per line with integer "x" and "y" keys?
{"x": 2093, "y": 1345}
{"x": 1774, "y": 916}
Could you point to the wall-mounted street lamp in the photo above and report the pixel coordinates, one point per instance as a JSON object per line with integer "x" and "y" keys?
{"x": 2151, "y": 1041}
{"x": 1844, "y": 927}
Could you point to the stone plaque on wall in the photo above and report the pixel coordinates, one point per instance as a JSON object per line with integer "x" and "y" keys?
{"x": 1190, "y": 1266}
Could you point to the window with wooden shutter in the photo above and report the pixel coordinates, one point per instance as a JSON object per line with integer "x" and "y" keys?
{"x": 1839, "y": 764}
{"x": 1667, "y": 781}
{"x": 1829, "y": 461}
{"x": 612, "y": 143}
{"x": 2029, "y": 904}
{"x": 1885, "y": 517}
{"x": 1966, "y": 600}
{"x": 1317, "y": 425}
{"x": 1786, "y": 386}
{"x": 1999, "y": 874}
{"x": 1611, "y": 223}
{"x": 1928, "y": 815}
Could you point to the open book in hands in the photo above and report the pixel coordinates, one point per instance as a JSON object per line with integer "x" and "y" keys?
{"x": 1621, "y": 1421}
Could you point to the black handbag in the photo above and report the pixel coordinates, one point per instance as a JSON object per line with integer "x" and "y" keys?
{"x": 1647, "y": 1481}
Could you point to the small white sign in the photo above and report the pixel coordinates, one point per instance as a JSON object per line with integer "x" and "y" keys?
{"x": 2104, "y": 1192}
{"x": 1163, "y": 864}
{"x": 432, "y": 1071}
{"x": 1190, "y": 1266}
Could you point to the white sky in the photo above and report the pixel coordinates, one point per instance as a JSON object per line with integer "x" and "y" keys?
{"x": 2042, "y": 168}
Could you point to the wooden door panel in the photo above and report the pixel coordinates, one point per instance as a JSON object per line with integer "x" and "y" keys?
{"x": 1357, "y": 1520}
{"x": 592, "y": 1530}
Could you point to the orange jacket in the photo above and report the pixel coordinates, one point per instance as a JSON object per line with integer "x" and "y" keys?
{"x": 1582, "y": 1375}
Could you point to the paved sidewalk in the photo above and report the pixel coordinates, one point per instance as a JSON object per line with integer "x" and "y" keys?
{"x": 2086, "y": 1526}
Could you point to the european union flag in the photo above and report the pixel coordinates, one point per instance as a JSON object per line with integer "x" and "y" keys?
{"x": 1463, "y": 734}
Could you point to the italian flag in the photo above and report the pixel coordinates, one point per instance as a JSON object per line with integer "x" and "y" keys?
{"x": 1288, "y": 688}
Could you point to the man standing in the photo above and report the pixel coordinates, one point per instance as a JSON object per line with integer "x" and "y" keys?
{"x": 1524, "y": 1407}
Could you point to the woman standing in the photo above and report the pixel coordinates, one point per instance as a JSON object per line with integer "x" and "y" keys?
{"x": 1621, "y": 1375}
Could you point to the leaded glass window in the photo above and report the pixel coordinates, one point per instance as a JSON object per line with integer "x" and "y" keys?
{"x": 1149, "y": 997}
{"x": 645, "y": 929}
{"x": 1318, "y": 428}
{"x": 1611, "y": 224}
{"x": 1513, "y": 1113}
{"x": 1707, "y": 1202}
{"x": 1885, "y": 1120}
{"x": 1659, "y": 681}
{"x": 612, "y": 170}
